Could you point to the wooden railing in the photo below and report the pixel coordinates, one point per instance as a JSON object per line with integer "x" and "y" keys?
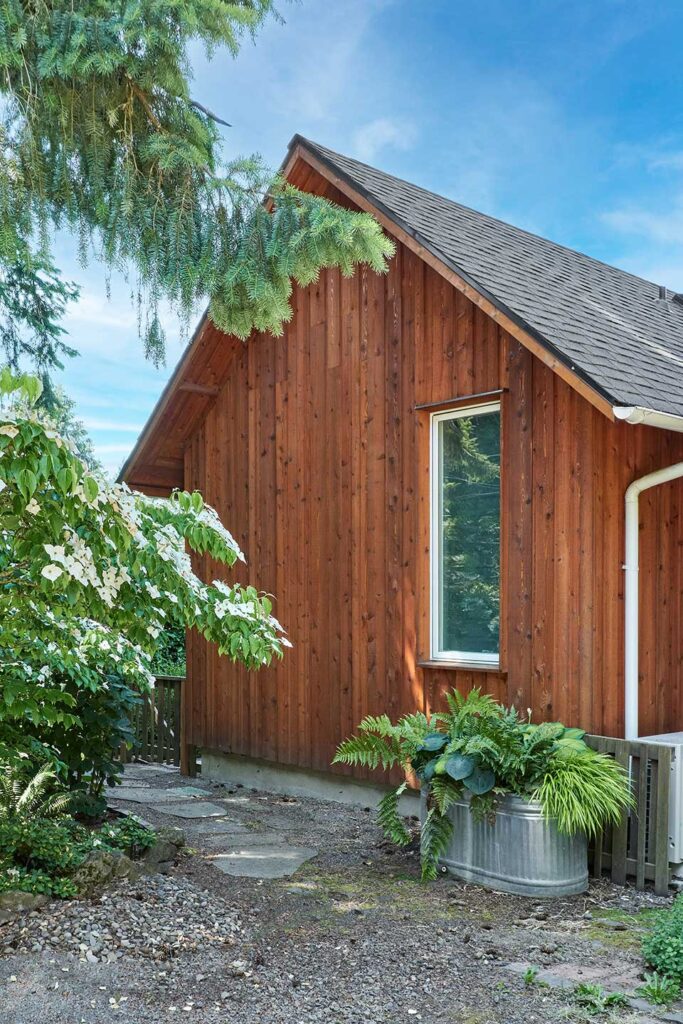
{"x": 638, "y": 847}
{"x": 156, "y": 723}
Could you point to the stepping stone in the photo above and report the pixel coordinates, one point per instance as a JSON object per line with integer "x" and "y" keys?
{"x": 278, "y": 820}
{"x": 226, "y": 844}
{"x": 193, "y": 809}
{"x": 183, "y": 791}
{"x": 263, "y": 861}
{"x": 138, "y": 795}
{"x": 220, "y": 826}
{"x": 156, "y": 795}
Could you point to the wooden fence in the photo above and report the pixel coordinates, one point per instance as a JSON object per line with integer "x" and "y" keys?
{"x": 638, "y": 847}
{"x": 156, "y": 723}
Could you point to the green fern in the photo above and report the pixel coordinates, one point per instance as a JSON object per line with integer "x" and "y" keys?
{"x": 369, "y": 751}
{"x": 445, "y": 791}
{"x": 41, "y": 797}
{"x": 434, "y": 839}
{"x": 390, "y": 820}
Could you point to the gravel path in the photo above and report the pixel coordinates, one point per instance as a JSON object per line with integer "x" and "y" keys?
{"x": 351, "y": 938}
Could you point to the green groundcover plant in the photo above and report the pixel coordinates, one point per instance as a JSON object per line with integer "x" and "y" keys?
{"x": 41, "y": 845}
{"x": 663, "y": 946}
{"x": 482, "y": 750}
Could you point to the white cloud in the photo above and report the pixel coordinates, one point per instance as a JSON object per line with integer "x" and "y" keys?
{"x": 371, "y": 138}
{"x": 664, "y": 227}
{"x": 672, "y": 161}
{"x": 97, "y": 310}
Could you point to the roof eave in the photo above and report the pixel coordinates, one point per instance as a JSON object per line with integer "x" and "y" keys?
{"x": 638, "y": 414}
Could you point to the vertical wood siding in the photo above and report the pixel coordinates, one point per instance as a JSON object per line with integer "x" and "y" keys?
{"x": 317, "y": 459}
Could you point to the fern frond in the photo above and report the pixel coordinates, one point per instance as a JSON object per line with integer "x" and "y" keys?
{"x": 445, "y": 791}
{"x": 368, "y": 750}
{"x": 57, "y": 805}
{"x": 35, "y": 791}
{"x": 380, "y": 724}
{"x": 434, "y": 839}
{"x": 414, "y": 727}
{"x": 390, "y": 820}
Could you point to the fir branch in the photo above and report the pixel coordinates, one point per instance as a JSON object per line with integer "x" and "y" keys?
{"x": 209, "y": 113}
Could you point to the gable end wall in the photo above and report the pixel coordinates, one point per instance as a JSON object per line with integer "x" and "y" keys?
{"x": 317, "y": 459}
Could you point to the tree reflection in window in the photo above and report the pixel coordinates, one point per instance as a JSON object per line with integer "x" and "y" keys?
{"x": 469, "y": 543}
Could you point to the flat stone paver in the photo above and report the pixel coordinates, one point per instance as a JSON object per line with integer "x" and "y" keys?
{"x": 277, "y": 820}
{"x": 182, "y": 791}
{"x": 220, "y": 826}
{"x": 225, "y": 843}
{"x": 193, "y": 809}
{"x": 143, "y": 794}
{"x": 263, "y": 861}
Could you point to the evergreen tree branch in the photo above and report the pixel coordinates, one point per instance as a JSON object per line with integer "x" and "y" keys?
{"x": 209, "y": 113}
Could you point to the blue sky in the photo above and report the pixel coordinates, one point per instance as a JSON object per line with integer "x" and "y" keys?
{"x": 562, "y": 116}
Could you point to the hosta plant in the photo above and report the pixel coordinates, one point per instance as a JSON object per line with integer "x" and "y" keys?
{"x": 482, "y": 750}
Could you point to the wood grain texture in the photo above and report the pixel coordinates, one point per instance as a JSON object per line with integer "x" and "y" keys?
{"x": 317, "y": 458}
{"x": 315, "y": 455}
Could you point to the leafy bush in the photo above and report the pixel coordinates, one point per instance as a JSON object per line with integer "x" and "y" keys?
{"x": 88, "y": 752}
{"x": 41, "y": 845}
{"x": 90, "y": 575}
{"x": 663, "y": 947}
{"x": 128, "y": 835}
{"x": 169, "y": 659}
{"x": 483, "y": 750}
{"x": 19, "y": 879}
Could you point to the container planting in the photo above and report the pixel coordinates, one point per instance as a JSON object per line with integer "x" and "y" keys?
{"x": 506, "y": 802}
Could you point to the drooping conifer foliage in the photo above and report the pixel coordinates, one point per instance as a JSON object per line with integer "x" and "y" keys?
{"x": 101, "y": 134}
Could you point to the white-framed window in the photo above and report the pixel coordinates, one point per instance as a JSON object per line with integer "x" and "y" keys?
{"x": 465, "y": 536}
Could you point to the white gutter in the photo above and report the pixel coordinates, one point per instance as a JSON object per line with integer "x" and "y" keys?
{"x": 648, "y": 417}
{"x": 660, "y": 476}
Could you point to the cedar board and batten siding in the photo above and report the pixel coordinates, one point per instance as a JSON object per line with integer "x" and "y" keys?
{"x": 316, "y": 457}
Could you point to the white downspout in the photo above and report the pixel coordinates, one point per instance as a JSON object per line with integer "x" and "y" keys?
{"x": 660, "y": 476}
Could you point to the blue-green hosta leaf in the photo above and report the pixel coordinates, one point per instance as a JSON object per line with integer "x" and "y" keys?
{"x": 433, "y": 742}
{"x": 482, "y": 780}
{"x": 459, "y": 766}
{"x": 426, "y": 772}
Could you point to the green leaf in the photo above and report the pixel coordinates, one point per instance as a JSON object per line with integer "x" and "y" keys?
{"x": 90, "y": 487}
{"x": 433, "y": 741}
{"x": 482, "y": 780}
{"x": 459, "y": 766}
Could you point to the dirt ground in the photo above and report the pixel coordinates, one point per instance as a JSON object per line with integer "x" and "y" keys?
{"x": 352, "y": 937}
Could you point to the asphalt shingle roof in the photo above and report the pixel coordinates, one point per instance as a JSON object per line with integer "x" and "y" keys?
{"x": 610, "y": 326}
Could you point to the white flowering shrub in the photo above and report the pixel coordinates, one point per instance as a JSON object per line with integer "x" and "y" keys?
{"x": 89, "y": 574}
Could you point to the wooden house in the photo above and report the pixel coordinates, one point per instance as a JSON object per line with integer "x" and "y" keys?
{"x": 428, "y": 471}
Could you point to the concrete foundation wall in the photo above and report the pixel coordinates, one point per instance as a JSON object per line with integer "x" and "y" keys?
{"x": 287, "y": 781}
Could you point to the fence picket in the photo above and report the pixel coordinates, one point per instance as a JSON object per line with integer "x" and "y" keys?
{"x": 637, "y": 847}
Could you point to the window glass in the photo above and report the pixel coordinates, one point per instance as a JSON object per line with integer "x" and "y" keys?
{"x": 467, "y": 523}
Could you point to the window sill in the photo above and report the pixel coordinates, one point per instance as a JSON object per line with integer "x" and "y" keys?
{"x": 462, "y": 666}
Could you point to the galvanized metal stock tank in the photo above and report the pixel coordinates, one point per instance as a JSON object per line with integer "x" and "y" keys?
{"x": 519, "y": 852}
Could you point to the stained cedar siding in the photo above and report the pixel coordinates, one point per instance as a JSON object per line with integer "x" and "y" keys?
{"x": 324, "y": 470}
